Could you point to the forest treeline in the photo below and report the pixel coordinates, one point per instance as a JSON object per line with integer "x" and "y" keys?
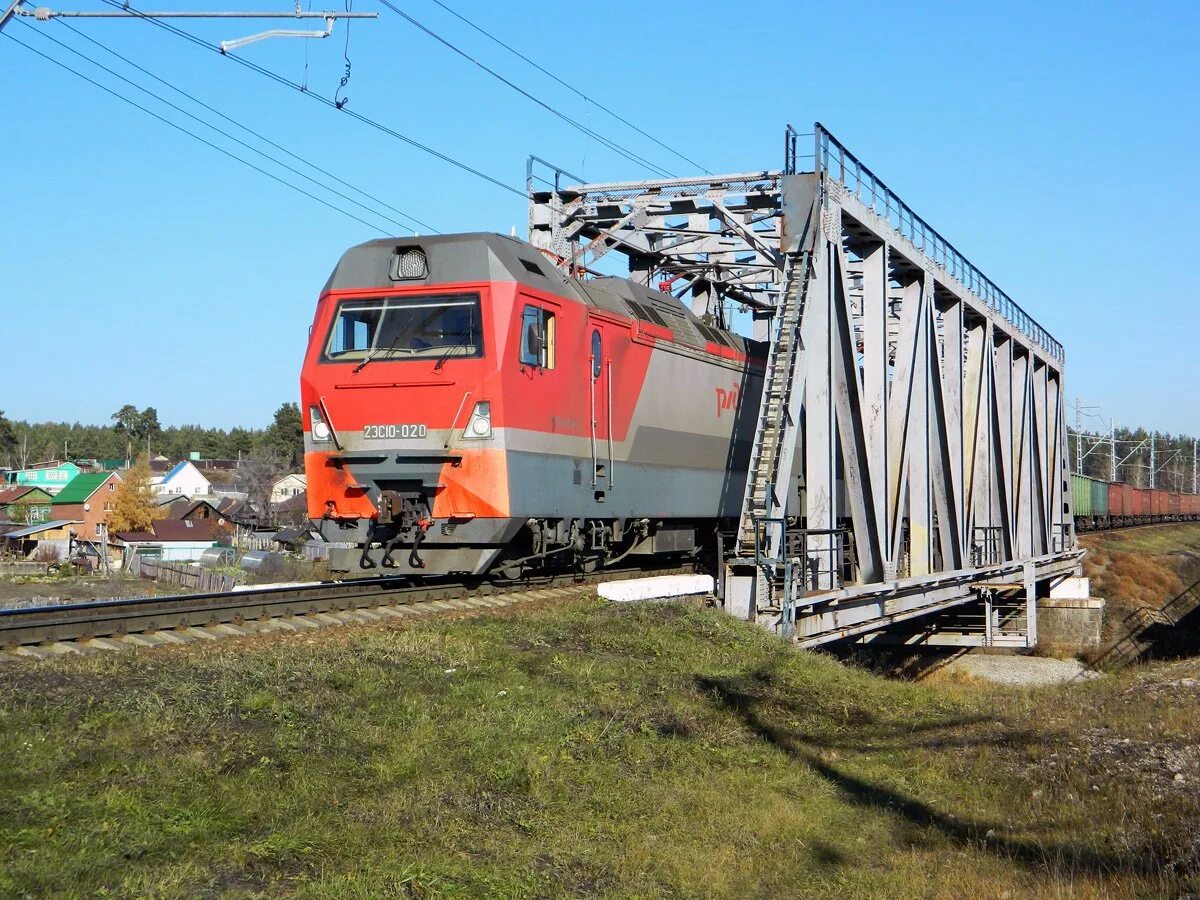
{"x": 1173, "y": 458}
{"x": 133, "y": 432}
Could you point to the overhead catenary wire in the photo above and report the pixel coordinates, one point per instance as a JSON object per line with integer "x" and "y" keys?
{"x": 570, "y": 87}
{"x": 287, "y": 82}
{"x": 1107, "y": 440}
{"x": 579, "y": 126}
{"x": 191, "y": 134}
{"x": 325, "y": 172}
{"x": 222, "y": 132}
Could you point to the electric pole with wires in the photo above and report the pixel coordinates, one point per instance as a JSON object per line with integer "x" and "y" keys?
{"x": 8, "y": 13}
{"x": 45, "y": 14}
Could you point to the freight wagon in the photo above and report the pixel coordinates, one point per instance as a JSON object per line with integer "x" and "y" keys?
{"x": 1104, "y": 504}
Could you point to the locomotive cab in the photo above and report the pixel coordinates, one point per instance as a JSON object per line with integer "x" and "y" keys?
{"x": 470, "y": 408}
{"x": 402, "y": 387}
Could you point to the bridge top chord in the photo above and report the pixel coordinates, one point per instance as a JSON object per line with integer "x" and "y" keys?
{"x": 723, "y": 233}
{"x": 832, "y": 158}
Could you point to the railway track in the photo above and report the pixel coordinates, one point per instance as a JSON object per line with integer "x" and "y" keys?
{"x": 124, "y": 624}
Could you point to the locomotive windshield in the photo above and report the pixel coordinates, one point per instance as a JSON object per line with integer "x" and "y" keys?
{"x": 406, "y": 327}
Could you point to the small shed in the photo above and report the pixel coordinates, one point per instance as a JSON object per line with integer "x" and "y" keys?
{"x": 56, "y": 536}
{"x": 290, "y": 538}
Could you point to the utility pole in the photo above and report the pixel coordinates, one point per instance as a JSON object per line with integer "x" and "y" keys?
{"x": 1078, "y": 436}
{"x": 1112, "y": 449}
{"x": 45, "y": 14}
{"x": 1152, "y": 462}
{"x": 1194, "y": 491}
{"x": 8, "y": 13}
{"x": 104, "y": 561}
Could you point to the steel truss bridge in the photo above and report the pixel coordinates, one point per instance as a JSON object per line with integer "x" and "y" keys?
{"x": 926, "y": 406}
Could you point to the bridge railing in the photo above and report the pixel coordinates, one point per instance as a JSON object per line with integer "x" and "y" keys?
{"x": 831, "y": 158}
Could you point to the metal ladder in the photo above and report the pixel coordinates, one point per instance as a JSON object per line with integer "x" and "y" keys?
{"x": 775, "y": 433}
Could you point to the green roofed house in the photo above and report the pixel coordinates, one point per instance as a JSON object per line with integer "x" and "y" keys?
{"x": 88, "y": 498}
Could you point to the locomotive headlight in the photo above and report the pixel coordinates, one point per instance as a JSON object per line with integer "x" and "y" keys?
{"x": 409, "y": 264}
{"x": 480, "y": 424}
{"x": 319, "y": 427}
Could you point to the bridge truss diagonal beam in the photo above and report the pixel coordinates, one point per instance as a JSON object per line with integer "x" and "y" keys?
{"x": 918, "y": 427}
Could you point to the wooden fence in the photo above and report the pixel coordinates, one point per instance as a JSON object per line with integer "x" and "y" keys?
{"x": 193, "y": 578}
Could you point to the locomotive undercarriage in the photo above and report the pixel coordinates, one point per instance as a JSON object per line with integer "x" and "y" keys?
{"x": 405, "y": 540}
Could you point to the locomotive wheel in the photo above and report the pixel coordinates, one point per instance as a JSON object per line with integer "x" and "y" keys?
{"x": 589, "y": 565}
{"x": 512, "y": 573}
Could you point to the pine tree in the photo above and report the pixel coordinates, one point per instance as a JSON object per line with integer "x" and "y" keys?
{"x": 133, "y": 504}
{"x": 284, "y": 437}
{"x": 8, "y": 436}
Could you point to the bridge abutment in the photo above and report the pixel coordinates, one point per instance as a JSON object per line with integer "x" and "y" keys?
{"x": 1070, "y": 619}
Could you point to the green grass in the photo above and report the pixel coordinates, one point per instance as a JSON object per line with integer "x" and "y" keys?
{"x": 653, "y": 750}
{"x": 1140, "y": 568}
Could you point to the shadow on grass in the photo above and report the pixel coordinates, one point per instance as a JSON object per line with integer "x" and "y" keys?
{"x": 749, "y": 698}
{"x": 1168, "y": 633}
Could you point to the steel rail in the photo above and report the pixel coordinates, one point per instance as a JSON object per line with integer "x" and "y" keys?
{"x": 106, "y": 618}
{"x": 100, "y": 618}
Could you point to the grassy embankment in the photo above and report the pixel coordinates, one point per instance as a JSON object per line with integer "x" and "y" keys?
{"x": 1140, "y": 567}
{"x": 586, "y": 749}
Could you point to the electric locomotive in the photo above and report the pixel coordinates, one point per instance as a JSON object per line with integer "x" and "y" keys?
{"x": 470, "y": 409}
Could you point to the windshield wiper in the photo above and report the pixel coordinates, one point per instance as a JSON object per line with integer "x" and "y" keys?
{"x": 391, "y": 348}
{"x": 459, "y": 341}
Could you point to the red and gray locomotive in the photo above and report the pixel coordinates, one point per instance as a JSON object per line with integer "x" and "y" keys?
{"x": 471, "y": 409}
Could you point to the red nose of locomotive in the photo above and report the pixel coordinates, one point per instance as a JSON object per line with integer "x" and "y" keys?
{"x": 400, "y": 386}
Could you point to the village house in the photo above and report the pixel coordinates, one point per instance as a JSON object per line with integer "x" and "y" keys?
{"x": 50, "y": 476}
{"x": 88, "y": 499}
{"x": 25, "y": 505}
{"x": 170, "y": 505}
{"x": 202, "y": 509}
{"x": 170, "y": 540}
{"x": 183, "y": 479}
{"x": 292, "y": 511}
{"x": 288, "y": 486}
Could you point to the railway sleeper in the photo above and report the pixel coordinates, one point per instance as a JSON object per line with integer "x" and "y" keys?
{"x": 400, "y": 604}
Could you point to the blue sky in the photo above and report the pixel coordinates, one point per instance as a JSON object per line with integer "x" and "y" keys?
{"x": 1053, "y": 143}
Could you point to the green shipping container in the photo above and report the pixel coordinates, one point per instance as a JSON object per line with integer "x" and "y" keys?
{"x": 1100, "y": 499}
{"x": 1081, "y": 495}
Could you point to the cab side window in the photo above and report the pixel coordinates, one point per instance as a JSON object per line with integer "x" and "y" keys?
{"x": 537, "y": 337}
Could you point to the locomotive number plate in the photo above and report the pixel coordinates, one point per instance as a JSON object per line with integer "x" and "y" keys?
{"x": 394, "y": 432}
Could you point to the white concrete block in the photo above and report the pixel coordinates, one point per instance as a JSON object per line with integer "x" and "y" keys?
{"x": 655, "y": 588}
{"x": 1071, "y": 589}
{"x": 238, "y": 588}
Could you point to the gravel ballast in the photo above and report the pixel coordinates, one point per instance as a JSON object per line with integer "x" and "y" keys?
{"x": 1021, "y": 671}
